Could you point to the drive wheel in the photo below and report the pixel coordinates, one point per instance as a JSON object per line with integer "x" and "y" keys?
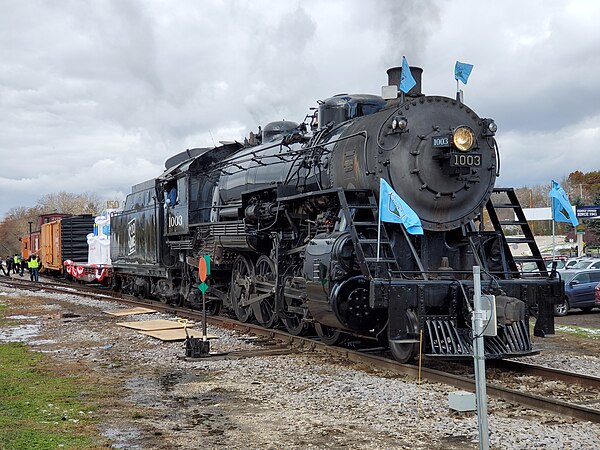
{"x": 264, "y": 310}
{"x": 562, "y": 309}
{"x": 241, "y": 287}
{"x": 405, "y": 352}
{"x": 329, "y": 335}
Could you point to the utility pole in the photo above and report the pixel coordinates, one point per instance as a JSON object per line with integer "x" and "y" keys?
{"x": 30, "y": 247}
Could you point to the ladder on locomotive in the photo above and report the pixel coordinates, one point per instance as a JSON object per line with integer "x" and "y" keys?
{"x": 361, "y": 212}
{"x": 526, "y": 235}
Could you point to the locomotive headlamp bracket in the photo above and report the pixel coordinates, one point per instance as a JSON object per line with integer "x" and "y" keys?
{"x": 399, "y": 124}
{"x": 489, "y": 127}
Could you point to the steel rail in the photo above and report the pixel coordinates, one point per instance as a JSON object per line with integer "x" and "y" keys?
{"x": 523, "y": 398}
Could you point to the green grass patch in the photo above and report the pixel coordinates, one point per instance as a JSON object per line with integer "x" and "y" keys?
{"x": 582, "y": 332}
{"x": 41, "y": 409}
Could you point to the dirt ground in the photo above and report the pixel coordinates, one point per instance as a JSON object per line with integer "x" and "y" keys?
{"x": 162, "y": 402}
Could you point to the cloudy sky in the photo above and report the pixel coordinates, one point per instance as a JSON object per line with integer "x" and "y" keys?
{"x": 96, "y": 95}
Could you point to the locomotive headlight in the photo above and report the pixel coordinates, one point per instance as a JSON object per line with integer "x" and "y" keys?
{"x": 463, "y": 139}
{"x": 489, "y": 127}
{"x": 399, "y": 123}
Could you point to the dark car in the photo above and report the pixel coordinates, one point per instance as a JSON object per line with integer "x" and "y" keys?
{"x": 580, "y": 286}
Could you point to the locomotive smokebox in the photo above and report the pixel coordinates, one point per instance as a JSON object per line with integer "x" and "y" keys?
{"x": 394, "y": 79}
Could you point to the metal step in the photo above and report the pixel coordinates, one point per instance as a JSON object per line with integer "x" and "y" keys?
{"x": 512, "y": 222}
{"x": 505, "y": 205}
{"x": 373, "y": 241}
{"x": 364, "y": 224}
{"x": 528, "y": 259}
{"x": 360, "y": 206}
{"x": 381, "y": 260}
{"x": 516, "y": 240}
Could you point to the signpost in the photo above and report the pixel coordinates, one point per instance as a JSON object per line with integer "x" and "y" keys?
{"x": 203, "y": 272}
{"x": 479, "y": 360}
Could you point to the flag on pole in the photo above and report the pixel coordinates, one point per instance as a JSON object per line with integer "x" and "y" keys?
{"x": 393, "y": 209}
{"x": 562, "y": 211}
{"x": 462, "y": 71}
{"x": 407, "y": 82}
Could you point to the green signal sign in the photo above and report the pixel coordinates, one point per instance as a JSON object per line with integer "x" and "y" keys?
{"x": 203, "y": 287}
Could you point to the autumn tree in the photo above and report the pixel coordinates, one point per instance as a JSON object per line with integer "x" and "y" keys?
{"x": 16, "y": 221}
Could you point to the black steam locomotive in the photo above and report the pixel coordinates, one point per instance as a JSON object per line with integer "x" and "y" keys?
{"x": 290, "y": 221}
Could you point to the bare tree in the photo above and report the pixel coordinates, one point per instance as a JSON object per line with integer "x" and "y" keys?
{"x": 16, "y": 220}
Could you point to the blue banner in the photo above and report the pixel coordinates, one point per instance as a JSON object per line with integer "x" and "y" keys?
{"x": 462, "y": 71}
{"x": 407, "y": 82}
{"x": 393, "y": 209}
{"x": 562, "y": 211}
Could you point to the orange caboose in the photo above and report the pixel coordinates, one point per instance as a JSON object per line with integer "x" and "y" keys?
{"x": 30, "y": 244}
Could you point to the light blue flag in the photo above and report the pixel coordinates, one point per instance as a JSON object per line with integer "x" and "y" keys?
{"x": 393, "y": 209}
{"x": 407, "y": 82}
{"x": 562, "y": 211}
{"x": 462, "y": 71}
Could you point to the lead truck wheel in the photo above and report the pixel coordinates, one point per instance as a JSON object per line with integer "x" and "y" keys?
{"x": 405, "y": 352}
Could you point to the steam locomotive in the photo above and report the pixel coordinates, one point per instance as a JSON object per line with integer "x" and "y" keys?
{"x": 289, "y": 219}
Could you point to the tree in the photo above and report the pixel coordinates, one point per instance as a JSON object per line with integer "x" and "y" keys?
{"x": 68, "y": 203}
{"x": 16, "y": 220}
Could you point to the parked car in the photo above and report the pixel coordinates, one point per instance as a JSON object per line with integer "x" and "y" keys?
{"x": 586, "y": 264}
{"x": 560, "y": 264}
{"x": 570, "y": 263}
{"x": 580, "y": 291}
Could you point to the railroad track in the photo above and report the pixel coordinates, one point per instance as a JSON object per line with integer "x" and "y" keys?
{"x": 367, "y": 356}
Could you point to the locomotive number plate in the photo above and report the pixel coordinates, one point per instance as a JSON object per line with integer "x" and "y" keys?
{"x": 440, "y": 141}
{"x": 465, "y": 160}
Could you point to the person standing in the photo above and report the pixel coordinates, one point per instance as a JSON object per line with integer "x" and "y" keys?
{"x": 21, "y": 265}
{"x": 2, "y": 267}
{"x": 9, "y": 264}
{"x": 16, "y": 264}
{"x": 35, "y": 267}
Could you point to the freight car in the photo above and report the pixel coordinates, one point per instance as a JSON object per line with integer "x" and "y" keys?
{"x": 64, "y": 239}
{"x": 290, "y": 221}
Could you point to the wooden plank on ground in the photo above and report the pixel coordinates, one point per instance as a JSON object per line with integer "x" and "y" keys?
{"x": 150, "y": 325}
{"x": 130, "y": 311}
{"x": 176, "y": 334}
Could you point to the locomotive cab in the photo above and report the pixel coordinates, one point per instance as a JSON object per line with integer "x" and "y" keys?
{"x": 175, "y": 203}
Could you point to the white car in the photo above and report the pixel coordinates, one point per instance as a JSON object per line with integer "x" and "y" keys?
{"x": 583, "y": 264}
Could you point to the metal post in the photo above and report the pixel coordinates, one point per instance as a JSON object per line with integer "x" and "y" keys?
{"x": 30, "y": 244}
{"x": 479, "y": 361}
{"x": 204, "y": 338}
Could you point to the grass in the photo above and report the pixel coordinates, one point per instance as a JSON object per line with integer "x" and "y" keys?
{"x": 40, "y": 408}
{"x": 582, "y": 332}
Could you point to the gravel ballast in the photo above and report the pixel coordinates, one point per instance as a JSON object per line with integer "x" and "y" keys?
{"x": 295, "y": 400}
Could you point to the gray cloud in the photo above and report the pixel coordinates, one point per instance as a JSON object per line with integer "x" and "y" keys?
{"x": 95, "y": 96}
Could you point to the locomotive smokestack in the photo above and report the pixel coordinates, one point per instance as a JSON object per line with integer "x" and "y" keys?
{"x": 394, "y": 79}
